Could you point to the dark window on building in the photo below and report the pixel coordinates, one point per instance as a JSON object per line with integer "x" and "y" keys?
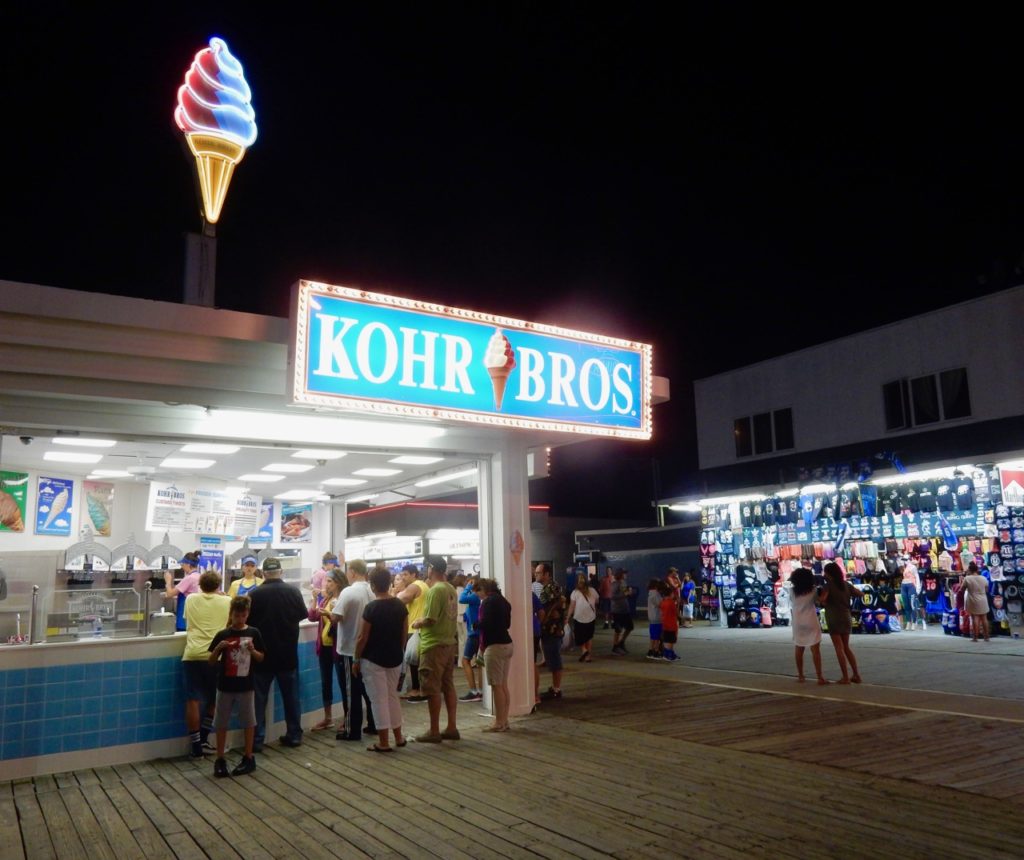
{"x": 925, "y": 394}
{"x": 783, "y": 429}
{"x": 741, "y": 430}
{"x": 956, "y": 398}
{"x": 897, "y": 413}
{"x": 763, "y": 433}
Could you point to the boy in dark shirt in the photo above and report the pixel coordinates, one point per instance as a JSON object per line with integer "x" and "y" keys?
{"x": 234, "y": 649}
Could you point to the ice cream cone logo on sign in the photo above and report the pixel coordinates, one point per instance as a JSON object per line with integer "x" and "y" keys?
{"x": 500, "y": 361}
{"x": 215, "y": 113}
{"x": 516, "y": 545}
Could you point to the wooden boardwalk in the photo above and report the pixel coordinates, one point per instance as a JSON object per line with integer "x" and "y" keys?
{"x": 625, "y": 766}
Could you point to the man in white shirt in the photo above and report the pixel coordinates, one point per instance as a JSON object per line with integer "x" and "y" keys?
{"x": 348, "y": 611}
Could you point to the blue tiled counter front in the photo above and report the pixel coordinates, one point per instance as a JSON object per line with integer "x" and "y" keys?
{"x": 92, "y": 703}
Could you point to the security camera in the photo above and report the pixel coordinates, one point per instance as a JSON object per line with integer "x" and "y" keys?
{"x": 26, "y": 440}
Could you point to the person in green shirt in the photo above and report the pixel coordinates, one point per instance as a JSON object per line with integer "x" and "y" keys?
{"x": 438, "y": 638}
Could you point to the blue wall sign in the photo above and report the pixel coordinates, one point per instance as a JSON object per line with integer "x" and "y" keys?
{"x": 369, "y": 352}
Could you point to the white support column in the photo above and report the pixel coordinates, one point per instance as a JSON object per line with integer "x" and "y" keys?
{"x": 505, "y": 526}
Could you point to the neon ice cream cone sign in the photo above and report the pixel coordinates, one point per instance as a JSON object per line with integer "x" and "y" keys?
{"x": 215, "y": 113}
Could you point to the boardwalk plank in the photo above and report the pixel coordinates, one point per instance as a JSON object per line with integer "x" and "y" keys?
{"x": 84, "y": 820}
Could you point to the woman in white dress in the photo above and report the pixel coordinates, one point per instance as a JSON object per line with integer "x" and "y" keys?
{"x": 804, "y": 621}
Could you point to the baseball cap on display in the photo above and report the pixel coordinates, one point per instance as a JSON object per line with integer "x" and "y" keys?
{"x": 437, "y": 562}
{"x": 271, "y": 564}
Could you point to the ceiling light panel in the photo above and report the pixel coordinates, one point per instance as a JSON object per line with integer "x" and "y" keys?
{"x": 297, "y": 495}
{"x": 413, "y": 460}
{"x": 209, "y": 448}
{"x": 318, "y": 454}
{"x": 260, "y": 478}
{"x": 84, "y": 443}
{"x": 343, "y": 482}
{"x": 377, "y": 473}
{"x": 71, "y": 457}
{"x": 289, "y": 468}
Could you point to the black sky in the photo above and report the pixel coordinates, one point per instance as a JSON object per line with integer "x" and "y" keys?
{"x": 725, "y": 184}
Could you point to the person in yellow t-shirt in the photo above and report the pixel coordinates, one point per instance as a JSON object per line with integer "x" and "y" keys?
{"x": 249, "y": 580}
{"x": 412, "y": 591}
{"x": 206, "y": 614}
{"x": 320, "y": 611}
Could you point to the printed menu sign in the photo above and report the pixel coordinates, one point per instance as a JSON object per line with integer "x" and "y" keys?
{"x": 201, "y": 510}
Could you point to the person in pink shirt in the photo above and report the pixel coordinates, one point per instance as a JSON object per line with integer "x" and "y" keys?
{"x": 189, "y": 584}
{"x": 316, "y": 583}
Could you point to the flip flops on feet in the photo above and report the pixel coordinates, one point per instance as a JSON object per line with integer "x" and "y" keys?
{"x": 323, "y": 724}
{"x": 376, "y": 748}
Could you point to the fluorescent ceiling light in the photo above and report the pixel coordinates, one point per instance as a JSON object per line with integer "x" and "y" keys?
{"x": 186, "y": 463}
{"x": 343, "y": 482}
{"x": 412, "y": 460}
{"x": 288, "y": 467}
{"x": 688, "y": 506}
{"x": 441, "y": 479}
{"x": 818, "y": 488}
{"x": 315, "y": 430}
{"x": 319, "y": 454}
{"x": 297, "y": 495}
{"x": 785, "y": 494}
{"x": 72, "y": 457}
{"x": 728, "y": 500}
{"x": 362, "y": 498}
{"x": 377, "y": 473}
{"x": 209, "y": 448}
{"x": 258, "y": 478}
{"x": 85, "y": 443}
{"x": 920, "y": 475}
{"x": 110, "y": 473}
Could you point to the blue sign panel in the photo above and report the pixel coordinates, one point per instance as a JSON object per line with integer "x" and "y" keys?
{"x": 357, "y": 350}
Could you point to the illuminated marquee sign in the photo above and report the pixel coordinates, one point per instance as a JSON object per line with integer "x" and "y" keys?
{"x": 381, "y": 354}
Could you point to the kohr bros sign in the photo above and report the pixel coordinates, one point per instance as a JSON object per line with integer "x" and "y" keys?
{"x": 388, "y": 355}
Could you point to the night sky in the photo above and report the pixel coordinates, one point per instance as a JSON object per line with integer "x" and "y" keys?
{"x": 727, "y": 185}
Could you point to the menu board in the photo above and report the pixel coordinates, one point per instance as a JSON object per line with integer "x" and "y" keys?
{"x": 201, "y": 510}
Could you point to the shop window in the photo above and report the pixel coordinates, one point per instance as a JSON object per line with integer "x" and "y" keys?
{"x": 925, "y": 396}
{"x": 741, "y": 430}
{"x": 763, "y": 433}
{"x": 926, "y": 399}
{"x": 897, "y": 404}
{"x": 783, "y": 429}
{"x": 956, "y": 398}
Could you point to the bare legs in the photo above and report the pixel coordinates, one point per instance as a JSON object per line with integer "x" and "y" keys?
{"x": 815, "y": 656}
{"x": 846, "y": 658}
{"x": 979, "y": 624}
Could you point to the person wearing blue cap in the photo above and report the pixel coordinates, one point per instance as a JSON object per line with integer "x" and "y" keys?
{"x": 249, "y": 580}
{"x": 328, "y": 563}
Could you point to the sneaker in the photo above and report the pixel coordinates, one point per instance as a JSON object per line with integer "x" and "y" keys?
{"x": 428, "y": 738}
{"x": 286, "y": 741}
{"x": 220, "y": 768}
{"x": 208, "y": 747}
{"x": 653, "y": 655}
{"x": 246, "y": 765}
{"x": 196, "y": 750}
{"x": 551, "y": 693}
{"x": 617, "y": 650}
{"x": 472, "y": 696}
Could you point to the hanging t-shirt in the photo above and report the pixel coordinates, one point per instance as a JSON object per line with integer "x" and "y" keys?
{"x": 965, "y": 494}
{"x": 747, "y": 515}
{"x": 926, "y": 496}
{"x": 909, "y": 498}
{"x": 869, "y": 501}
{"x": 944, "y": 495}
{"x": 757, "y": 515}
{"x": 892, "y": 499}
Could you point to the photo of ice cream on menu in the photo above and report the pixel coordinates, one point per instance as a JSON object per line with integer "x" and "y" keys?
{"x": 239, "y": 657}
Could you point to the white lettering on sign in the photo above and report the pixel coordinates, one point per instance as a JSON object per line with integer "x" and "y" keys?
{"x": 377, "y": 355}
{"x": 593, "y": 375}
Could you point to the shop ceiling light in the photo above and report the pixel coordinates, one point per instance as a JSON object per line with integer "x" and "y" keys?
{"x": 344, "y": 482}
{"x": 785, "y": 494}
{"x": 71, "y": 457}
{"x": 728, "y": 500}
{"x": 319, "y": 454}
{"x": 84, "y": 443}
{"x": 377, "y": 473}
{"x": 290, "y": 468}
{"x": 362, "y": 498}
{"x": 209, "y": 448}
{"x": 316, "y": 430}
{"x": 441, "y": 479}
{"x": 186, "y": 463}
{"x": 691, "y": 507}
{"x": 413, "y": 460}
{"x": 110, "y": 473}
{"x": 921, "y": 475}
{"x": 260, "y": 478}
{"x": 297, "y": 495}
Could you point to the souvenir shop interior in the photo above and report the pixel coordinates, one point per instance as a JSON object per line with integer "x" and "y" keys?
{"x": 939, "y": 520}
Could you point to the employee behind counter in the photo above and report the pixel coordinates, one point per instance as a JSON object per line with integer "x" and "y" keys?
{"x": 188, "y": 585}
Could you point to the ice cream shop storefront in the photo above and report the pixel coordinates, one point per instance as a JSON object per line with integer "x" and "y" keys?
{"x": 135, "y": 431}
